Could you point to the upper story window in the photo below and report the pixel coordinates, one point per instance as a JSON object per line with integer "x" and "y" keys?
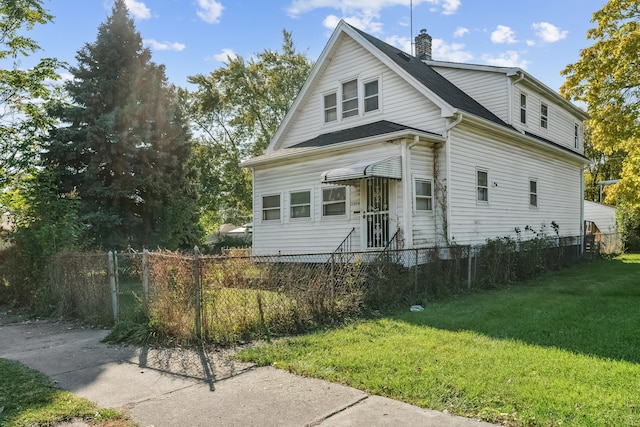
{"x": 482, "y": 185}
{"x": 330, "y": 107}
{"x": 576, "y": 135}
{"x": 371, "y": 96}
{"x": 544, "y": 115}
{"x": 334, "y": 201}
{"x": 533, "y": 193}
{"x": 350, "y": 98}
{"x": 424, "y": 196}
{"x": 523, "y": 108}
{"x": 271, "y": 207}
{"x": 300, "y": 204}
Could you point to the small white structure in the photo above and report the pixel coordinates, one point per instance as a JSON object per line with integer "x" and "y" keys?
{"x": 383, "y": 147}
{"x": 603, "y": 216}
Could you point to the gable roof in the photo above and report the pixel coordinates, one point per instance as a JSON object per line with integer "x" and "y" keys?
{"x": 430, "y": 78}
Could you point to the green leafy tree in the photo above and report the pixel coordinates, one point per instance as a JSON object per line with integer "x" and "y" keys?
{"x": 602, "y": 168}
{"x": 125, "y": 147}
{"x": 236, "y": 110}
{"x": 23, "y": 92}
{"x": 607, "y": 79}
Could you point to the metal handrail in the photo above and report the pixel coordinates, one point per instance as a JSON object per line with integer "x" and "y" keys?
{"x": 345, "y": 246}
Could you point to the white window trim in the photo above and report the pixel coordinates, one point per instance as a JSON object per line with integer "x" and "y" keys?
{"x": 358, "y": 97}
{"x": 379, "y": 95}
{"x": 311, "y": 210}
{"x": 576, "y": 135}
{"x": 417, "y": 211}
{"x": 347, "y": 204}
{"x": 272, "y": 221}
{"x": 545, "y": 117}
{"x": 537, "y": 193}
{"x": 522, "y": 108}
{"x": 324, "y": 110}
{"x": 476, "y": 186}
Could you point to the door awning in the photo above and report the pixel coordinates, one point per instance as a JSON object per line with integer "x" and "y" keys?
{"x": 390, "y": 167}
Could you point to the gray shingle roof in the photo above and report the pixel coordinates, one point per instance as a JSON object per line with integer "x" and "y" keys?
{"x": 358, "y": 132}
{"x": 439, "y": 85}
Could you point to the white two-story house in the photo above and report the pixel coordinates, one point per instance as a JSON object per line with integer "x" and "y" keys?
{"x": 383, "y": 146}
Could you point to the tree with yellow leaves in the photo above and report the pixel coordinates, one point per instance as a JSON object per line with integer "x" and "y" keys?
{"x": 607, "y": 79}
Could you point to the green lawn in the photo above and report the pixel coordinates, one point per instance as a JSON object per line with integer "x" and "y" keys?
{"x": 560, "y": 350}
{"x": 28, "y": 398}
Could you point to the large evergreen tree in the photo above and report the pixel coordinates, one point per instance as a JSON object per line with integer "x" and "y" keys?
{"x": 125, "y": 149}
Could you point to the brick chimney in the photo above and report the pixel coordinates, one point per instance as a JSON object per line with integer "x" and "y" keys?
{"x": 423, "y": 45}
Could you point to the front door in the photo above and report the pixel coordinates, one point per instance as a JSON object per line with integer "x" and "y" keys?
{"x": 376, "y": 216}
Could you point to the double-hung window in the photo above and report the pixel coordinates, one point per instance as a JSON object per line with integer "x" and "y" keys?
{"x": 271, "y": 207}
{"x": 523, "y": 108}
{"x": 544, "y": 115}
{"x": 482, "y": 185}
{"x": 371, "y": 102}
{"x": 424, "y": 195}
{"x": 350, "y": 98}
{"x": 533, "y": 193}
{"x": 576, "y": 135}
{"x": 334, "y": 201}
{"x": 330, "y": 107}
{"x": 300, "y": 204}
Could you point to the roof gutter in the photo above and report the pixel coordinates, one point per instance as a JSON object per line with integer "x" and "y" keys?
{"x": 285, "y": 154}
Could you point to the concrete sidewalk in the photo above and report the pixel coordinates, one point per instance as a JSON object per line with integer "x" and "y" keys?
{"x": 178, "y": 387}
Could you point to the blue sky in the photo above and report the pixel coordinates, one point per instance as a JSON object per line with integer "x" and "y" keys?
{"x": 195, "y": 36}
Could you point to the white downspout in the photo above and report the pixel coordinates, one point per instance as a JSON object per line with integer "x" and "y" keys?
{"x": 407, "y": 194}
{"x": 447, "y": 160}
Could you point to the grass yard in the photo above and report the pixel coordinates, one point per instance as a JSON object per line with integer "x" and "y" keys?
{"x": 560, "y": 350}
{"x": 28, "y": 398}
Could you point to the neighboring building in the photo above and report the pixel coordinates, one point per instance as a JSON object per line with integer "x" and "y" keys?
{"x": 380, "y": 145}
{"x": 603, "y": 217}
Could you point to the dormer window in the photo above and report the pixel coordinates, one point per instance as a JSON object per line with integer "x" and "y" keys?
{"x": 350, "y": 99}
{"x": 523, "y": 108}
{"x": 371, "y": 96}
{"x": 330, "y": 107}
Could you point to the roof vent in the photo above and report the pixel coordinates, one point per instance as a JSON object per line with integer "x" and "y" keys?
{"x": 404, "y": 56}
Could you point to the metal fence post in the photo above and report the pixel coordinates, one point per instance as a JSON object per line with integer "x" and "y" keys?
{"x": 198, "y": 290}
{"x": 111, "y": 267}
{"x": 469, "y": 260}
{"x": 415, "y": 273}
{"x": 145, "y": 274}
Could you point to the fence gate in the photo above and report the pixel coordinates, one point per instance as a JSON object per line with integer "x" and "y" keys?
{"x": 376, "y": 212}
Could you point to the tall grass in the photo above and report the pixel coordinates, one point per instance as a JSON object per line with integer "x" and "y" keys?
{"x": 559, "y": 350}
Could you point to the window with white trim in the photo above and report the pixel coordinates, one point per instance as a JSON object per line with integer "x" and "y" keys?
{"x": 482, "y": 185}
{"x": 576, "y": 135}
{"x": 300, "y": 204}
{"x": 371, "y": 96}
{"x": 544, "y": 115}
{"x": 271, "y": 207}
{"x": 350, "y": 98}
{"x": 523, "y": 108}
{"x": 330, "y": 107}
{"x": 423, "y": 195}
{"x": 334, "y": 201}
{"x": 533, "y": 193}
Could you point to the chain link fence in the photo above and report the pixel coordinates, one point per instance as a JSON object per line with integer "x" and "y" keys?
{"x": 239, "y": 297}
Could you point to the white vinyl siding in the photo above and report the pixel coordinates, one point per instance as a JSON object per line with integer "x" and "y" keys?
{"x": 399, "y": 101}
{"x": 511, "y": 167}
{"x": 423, "y": 223}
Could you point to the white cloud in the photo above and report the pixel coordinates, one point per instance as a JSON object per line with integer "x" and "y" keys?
{"x": 138, "y": 9}
{"x": 210, "y": 11}
{"x": 156, "y": 45}
{"x": 225, "y": 55}
{"x": 460, "y": 32}
{"x": 364, "y": 23}
{"x": 503, "y": 34}
{"x": 548, "y": 32}
{"x": 531, "y": 43}
{"x": 454, "y": 52}
{"x": 510, "y": 58}
{"x": 402, "y": 43}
